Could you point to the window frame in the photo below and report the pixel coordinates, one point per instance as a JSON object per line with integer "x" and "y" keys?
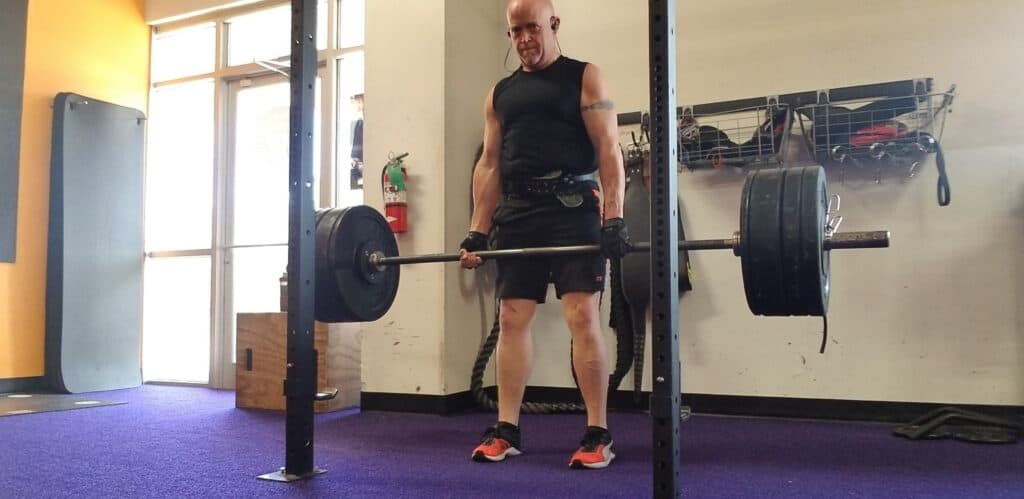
{"x": 221, "y": 352}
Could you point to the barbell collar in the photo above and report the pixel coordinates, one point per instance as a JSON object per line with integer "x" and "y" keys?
{"x": 842, "y": 240}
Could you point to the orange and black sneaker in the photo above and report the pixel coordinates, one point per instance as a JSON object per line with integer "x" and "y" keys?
{"x": 595, "y": 450}
{"x": 499, "y": 441}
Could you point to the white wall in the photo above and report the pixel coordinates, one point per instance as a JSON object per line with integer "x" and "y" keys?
{"x": 936, "y": 317}
{"x": 405, "y": 112}
{"x": 474, "y": 43}
{"x": 429, "y": 65}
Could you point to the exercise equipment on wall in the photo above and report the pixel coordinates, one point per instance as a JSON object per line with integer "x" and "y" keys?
{"x": 880, "y": 131}
{"x": 896, "y": 124}
{"x": 710, "y": 139}
{"x": 707, "y": 135}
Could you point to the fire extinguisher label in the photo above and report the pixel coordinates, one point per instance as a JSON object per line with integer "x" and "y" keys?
{"x": 394, "y": 186}
{"x": 391, "y": 195}
{"x": 393, "y": 180}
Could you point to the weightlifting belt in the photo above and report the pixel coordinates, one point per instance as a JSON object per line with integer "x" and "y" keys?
{"x": 555, "y": 183}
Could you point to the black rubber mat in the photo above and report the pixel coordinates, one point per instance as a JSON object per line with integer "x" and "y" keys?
{"x": 18, "y": 404}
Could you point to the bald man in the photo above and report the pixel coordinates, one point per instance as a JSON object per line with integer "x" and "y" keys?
{"x": 550, "y": 143}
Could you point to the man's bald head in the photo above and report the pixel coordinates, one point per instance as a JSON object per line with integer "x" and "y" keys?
{"x": 532, "y": 25}
{"x": 543, "y": 7}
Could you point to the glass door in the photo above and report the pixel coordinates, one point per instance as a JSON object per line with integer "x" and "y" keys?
{"x": 179, "y": 219}
{"x": 253, "y": 253}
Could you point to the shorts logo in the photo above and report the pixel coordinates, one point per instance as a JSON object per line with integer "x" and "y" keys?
{"x": 599, "y": 278}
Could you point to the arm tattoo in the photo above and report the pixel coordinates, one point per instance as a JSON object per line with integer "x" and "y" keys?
{"x": 601, "y": 104}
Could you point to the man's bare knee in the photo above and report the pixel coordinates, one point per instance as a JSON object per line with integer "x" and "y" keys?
{"x": 582, "y": 316}
{"x": 516, "y": 316}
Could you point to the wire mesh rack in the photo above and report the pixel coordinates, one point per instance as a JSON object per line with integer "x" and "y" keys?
{"x": 746, "y": 136}
{"x": 880, "y": 124}
{"x": 889, "y": 131}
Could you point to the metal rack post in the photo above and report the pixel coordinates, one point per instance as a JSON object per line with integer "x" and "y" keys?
{"x": 664, "y": 250}
{"x": 300, "y": 378}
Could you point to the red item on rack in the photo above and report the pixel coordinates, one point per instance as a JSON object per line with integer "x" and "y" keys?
{"x": 877, "y": 133}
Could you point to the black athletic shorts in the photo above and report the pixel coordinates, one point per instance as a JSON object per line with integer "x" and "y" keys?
{"x": 529, "y": 277}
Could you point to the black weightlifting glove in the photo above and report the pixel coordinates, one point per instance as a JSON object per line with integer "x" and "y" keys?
{"x": 615, "y": 241}
{"x": 474, "y": 241}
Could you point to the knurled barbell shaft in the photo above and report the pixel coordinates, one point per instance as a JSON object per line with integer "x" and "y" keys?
{"x": 841, "y": 240}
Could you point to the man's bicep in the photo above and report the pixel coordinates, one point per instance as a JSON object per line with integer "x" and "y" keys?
{"x": 597, "y": 108}
{"x": 492, "y": 142}
{"x": 602, "y": 128}
{"x": 492, "y": 133}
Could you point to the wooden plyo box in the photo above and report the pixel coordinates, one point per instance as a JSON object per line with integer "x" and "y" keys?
{"x": 261, "y": 355}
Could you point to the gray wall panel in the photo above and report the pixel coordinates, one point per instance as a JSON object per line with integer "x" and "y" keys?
{"x": 12, "y": 78}
{"x": 95, "y": 256}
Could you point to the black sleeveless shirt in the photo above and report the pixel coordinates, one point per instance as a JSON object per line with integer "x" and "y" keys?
{"x": 542, "y": 127}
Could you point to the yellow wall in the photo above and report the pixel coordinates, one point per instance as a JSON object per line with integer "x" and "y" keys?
{"x": 97, "y": 48}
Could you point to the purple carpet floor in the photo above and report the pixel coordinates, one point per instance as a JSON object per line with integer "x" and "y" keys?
{"x": 192, "y": 442}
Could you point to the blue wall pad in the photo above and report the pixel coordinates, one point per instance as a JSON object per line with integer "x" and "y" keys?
{"x": 95, "y": 255}
{"x": 12, "y": 80}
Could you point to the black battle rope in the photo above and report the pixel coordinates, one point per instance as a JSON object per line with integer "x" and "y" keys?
{"x": 620, "y": 321}
{"x": 639, "y": 336}
{"x": 824, "y": 334}
{"x": 476, "y": 382}
{"x": 624, "y": 355}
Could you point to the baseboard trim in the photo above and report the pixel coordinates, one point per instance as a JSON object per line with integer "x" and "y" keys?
{"x": 700, "y": 403}
{"x": 18, "y": 385}
{"x": 832, "y": 409}
{"x": 416, "y": 403}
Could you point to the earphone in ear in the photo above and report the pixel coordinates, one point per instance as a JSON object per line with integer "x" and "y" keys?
{"x": 554, "y": 27}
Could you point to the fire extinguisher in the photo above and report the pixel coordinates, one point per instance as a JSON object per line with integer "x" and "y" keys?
{"x": 392, "y": 180}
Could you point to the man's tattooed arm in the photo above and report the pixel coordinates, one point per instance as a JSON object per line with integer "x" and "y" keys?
{"x": 601, "y": 104}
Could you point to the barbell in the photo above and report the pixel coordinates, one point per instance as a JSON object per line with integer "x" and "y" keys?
{"x": 787, "y": 229}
